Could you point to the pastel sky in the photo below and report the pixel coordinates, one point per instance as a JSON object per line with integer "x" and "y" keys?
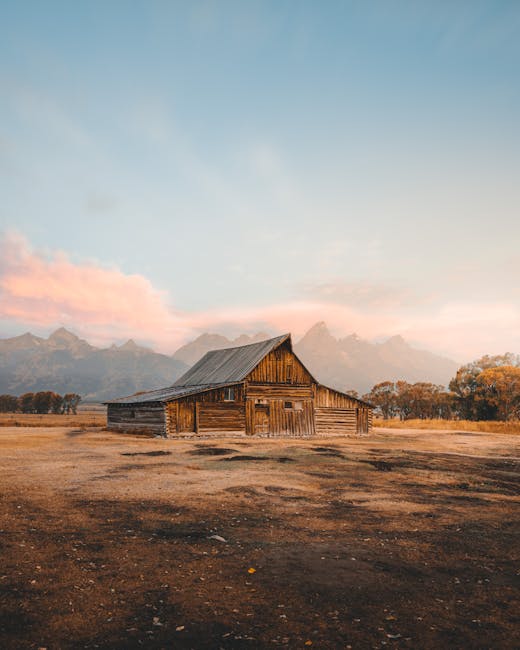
{"x": 168, "y": 168}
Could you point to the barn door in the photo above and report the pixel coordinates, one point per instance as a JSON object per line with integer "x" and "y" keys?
{"x": 362, "y": 420}
{"x": 261, "y": 418}
{"x": 186, "y": 418}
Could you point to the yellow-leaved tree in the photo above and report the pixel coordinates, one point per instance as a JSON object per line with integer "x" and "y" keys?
{"x": 500, "y": 388}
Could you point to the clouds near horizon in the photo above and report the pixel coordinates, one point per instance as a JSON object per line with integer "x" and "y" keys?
{"x": 48, "y": 289}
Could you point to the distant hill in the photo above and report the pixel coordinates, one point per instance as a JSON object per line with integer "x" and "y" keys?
{"x": 352, "y": 363}
{"x": 65, "y": 363}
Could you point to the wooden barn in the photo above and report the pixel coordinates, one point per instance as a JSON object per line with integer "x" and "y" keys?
{"x": 261, "y": 389}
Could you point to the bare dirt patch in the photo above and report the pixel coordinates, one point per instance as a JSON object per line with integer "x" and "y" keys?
{"x": 159, "y": 452}
{"x": 195, "y": 552}
{"x": 212, "y": 451}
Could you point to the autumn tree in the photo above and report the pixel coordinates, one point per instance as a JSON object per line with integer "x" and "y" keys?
{"x": 56, "y": 403}
{"x": 70, "y": 403}
{"x": 8, "y": 404}
{"x": 422, "y": 400}
{"x": 383, "y": 397}
{"x": 499, "y": 389}
{"x": 25, "y": 402}
{"x": 403, "y": 400}
{"x": 42, "y": 401}
{"x": 464, "y": 386}
{"x": 445, "y": 406}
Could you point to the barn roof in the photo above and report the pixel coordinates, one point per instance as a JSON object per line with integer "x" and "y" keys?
{"x": 166, "y": 394}
{"x": 229, "y": 365}
{"x": 216, "y": 369}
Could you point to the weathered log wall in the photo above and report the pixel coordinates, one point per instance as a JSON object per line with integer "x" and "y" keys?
{"x": 340, "y": 414}
{"x": 225, "y": 417}
{"x": 281, "y": 366}
{"x": 330, "y": 398}
{"x": 279, "y": 410}
{"x": 291, "y": 422}
{"x": 206, "y": 413}
{"x": 335, "y": 421}
{"x": 139, "y": 418}
{"x": 364, "y": 420}
{"x": 283, "y": 391}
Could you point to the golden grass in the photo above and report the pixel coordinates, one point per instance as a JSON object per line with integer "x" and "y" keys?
{"x": 485, "y": 426}
{"x": 51, "y": 420}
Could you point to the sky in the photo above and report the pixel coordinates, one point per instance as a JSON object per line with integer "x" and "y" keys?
{"x": 169, "y": 168}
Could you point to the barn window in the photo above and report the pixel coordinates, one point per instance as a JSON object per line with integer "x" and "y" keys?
{"x": 132, "y": 413}
{"x": 288, "y": 374}
{"x": 293, "y": 406}
{"x": 229, "y": 395}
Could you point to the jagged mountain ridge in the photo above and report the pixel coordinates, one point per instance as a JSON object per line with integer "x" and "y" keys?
{"x": 353, "y": 363}
{"x": 65, "y": 363}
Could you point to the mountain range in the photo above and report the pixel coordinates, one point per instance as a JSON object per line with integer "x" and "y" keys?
{"x": 353, "y": 363}
{"x": 63, "y": 362}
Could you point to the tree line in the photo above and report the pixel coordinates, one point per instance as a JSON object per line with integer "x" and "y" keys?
{"x": 42, "y": 402}
{"x": 485, "y": 389}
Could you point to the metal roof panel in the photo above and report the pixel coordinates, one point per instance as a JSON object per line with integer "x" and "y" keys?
{"x": 229, "y": 365}
{"x": 167, "y": 394}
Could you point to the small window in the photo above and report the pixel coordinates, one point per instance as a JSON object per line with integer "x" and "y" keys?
{"x": 264, "y": 402}
{"x": 288, "y": 374}
{"x": 132, "y": 414}
{"x": 229, "y": 395}
{"x": 293, "y": 406}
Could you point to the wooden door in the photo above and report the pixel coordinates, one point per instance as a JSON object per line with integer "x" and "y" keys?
{"x": 261, "y": 418}
{"x": 186, "y": 418}
{"x": 362, "y": 420}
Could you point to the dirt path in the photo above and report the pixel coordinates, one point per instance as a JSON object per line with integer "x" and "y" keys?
{"x": 401, "y": 539}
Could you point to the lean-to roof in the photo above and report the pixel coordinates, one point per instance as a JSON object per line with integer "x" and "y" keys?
{"x": 162, "y": 395}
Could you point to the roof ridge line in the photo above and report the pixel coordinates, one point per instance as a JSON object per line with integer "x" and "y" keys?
{"x": 236, "y": 347}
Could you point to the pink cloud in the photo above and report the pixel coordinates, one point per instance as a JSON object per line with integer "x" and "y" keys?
{"x": 50, "y": 290}
{"x": 104, "y": 304}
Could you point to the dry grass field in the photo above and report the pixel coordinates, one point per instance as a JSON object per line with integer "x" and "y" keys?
{"x": 400, "y": 539}
{"x": 486, "y": 426}
{"x": 82, "y": 419}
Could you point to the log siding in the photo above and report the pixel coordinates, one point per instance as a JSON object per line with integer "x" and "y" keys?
{"x": 149, "y": 418}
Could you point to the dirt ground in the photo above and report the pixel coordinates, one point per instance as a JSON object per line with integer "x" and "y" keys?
{"x": 400, "y": 539}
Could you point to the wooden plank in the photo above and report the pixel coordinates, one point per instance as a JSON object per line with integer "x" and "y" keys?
{"x": 274, "y": 368}
{"x": 279, "y": 391}
{"x": 226, "y": 416}
{"x": 335, "y": 421}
